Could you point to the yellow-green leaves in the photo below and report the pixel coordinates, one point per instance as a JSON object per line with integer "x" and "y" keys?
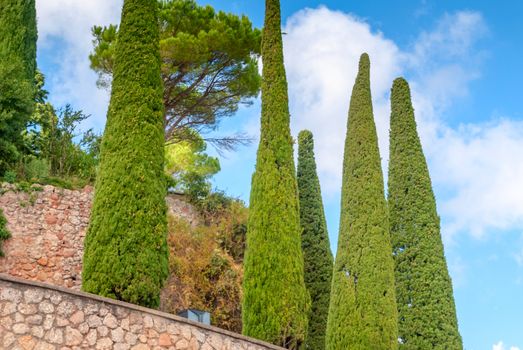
{"x": 275, "y": 300}
{"x": 362, "y": 313}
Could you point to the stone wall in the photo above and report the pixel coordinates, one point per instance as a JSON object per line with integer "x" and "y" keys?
{"x": 37, "y": 316}
{"x": 48, "y": 227}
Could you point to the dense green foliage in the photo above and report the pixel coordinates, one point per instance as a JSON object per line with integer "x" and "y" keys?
{"x": 17, "y": 72}
{"x": 362, "y": 313}
{"x": 54, "y": 152}
{"x": 16, "y": 105}
{"x": 189, "y": 168}
{"x": 317, "y": 255}
{"x": 4, "y": 233}
{"x": 209, "y": 65}
{"x": 427, "y": 314}
{"x": 53, "y": 142}
{"x": 275, "y": 300}
{"x": 126, "y": 254}
{"x": 18, "y": 34}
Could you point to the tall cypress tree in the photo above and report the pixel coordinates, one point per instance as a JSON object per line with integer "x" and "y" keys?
{"x": 275, "y": 300}
{"x": 126, "y": 254}
{"x": 18, "y": 34}
{"x": 315, "y": 244}
{"x": 362, "y": 313}
{"x": 18, "y": 37}
{"x": 427, "y": 314}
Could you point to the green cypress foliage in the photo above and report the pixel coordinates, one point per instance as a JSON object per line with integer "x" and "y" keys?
{"x": 275, "y": 300}
{"x": 362, "y": 313}
{"x": 126, "y": 255}
{"x": 427, "y": 314}
{"x": 4, "y": 233}
{"x": 18, "y": 34}
{"x": 317, "y": 255}
{"x": 17, "y": 74}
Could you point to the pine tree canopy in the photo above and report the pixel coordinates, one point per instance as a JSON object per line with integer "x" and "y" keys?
{"x": 317, "y": 255}
{"x": 209, "y": 66}
{"x": 126, "y": 255}
{"x": 275, "y": 300}
{"x": 427, "y": 314}
{"x": 362, "y": 313}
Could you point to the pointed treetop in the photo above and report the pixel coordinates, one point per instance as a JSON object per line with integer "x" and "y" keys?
{"x": 364, "y": 65}
{"x": 305, "y": 138}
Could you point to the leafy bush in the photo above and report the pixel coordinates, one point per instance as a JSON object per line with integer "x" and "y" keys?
{"x": 35, "y": 169}
{"x": 206, "y": 262}
{"x": 4, "y": 233}
{"x": 53, "y": 138}
{"x": 10, "y": 176}
{"x": 190, "y": 168}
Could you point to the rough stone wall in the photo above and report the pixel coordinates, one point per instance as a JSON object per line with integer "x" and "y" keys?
{"x": 178, "y": 206}
{"x": 48, "y": 227}
{"x": 43, "y": 317}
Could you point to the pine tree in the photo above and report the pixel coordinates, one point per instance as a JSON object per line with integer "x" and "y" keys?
{"x": 317, "y": 255}
{"x": 427, "y": 314}
{"x": 18, "y": 37}
{"x": 126, "y": 256}
{"x": 275, "y": 301}
{"x": 362, "y": 313}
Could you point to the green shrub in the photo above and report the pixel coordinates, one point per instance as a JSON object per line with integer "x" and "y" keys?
{"x": 35, "y": 169}
{"x": 4, "y": 233}
{"x": 10, "y": 176}
{"x": 204, "y": 273}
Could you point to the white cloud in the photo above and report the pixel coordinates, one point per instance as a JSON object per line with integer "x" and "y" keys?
{"x": 64, "y": 27}
{"x": 500, "y": 346}
{"x": 322, "y": 49}
{"x": 476, "y": 166}
{"x": 481, "y": 166}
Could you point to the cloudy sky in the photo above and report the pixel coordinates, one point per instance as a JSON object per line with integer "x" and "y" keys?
{"x": 463, "y": 62}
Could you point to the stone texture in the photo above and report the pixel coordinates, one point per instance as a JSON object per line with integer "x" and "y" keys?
{"x": 73, "y": 336}
{"x": 48, "y": 228}
{"x": 39, "y": 318}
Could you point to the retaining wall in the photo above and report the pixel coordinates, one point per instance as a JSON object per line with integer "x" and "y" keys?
{"x": 39, "y": 316}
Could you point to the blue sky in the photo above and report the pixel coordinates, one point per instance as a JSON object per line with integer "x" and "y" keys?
{"x": 463, "y": 61}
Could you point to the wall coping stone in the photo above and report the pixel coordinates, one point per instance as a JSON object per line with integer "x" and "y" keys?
{"x": 16, "y": 280}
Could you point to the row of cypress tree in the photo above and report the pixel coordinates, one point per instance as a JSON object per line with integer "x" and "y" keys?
{"x": 390, "y": 286}
{"x": 284, "y": 302}
{"x": 381, "y": 300}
